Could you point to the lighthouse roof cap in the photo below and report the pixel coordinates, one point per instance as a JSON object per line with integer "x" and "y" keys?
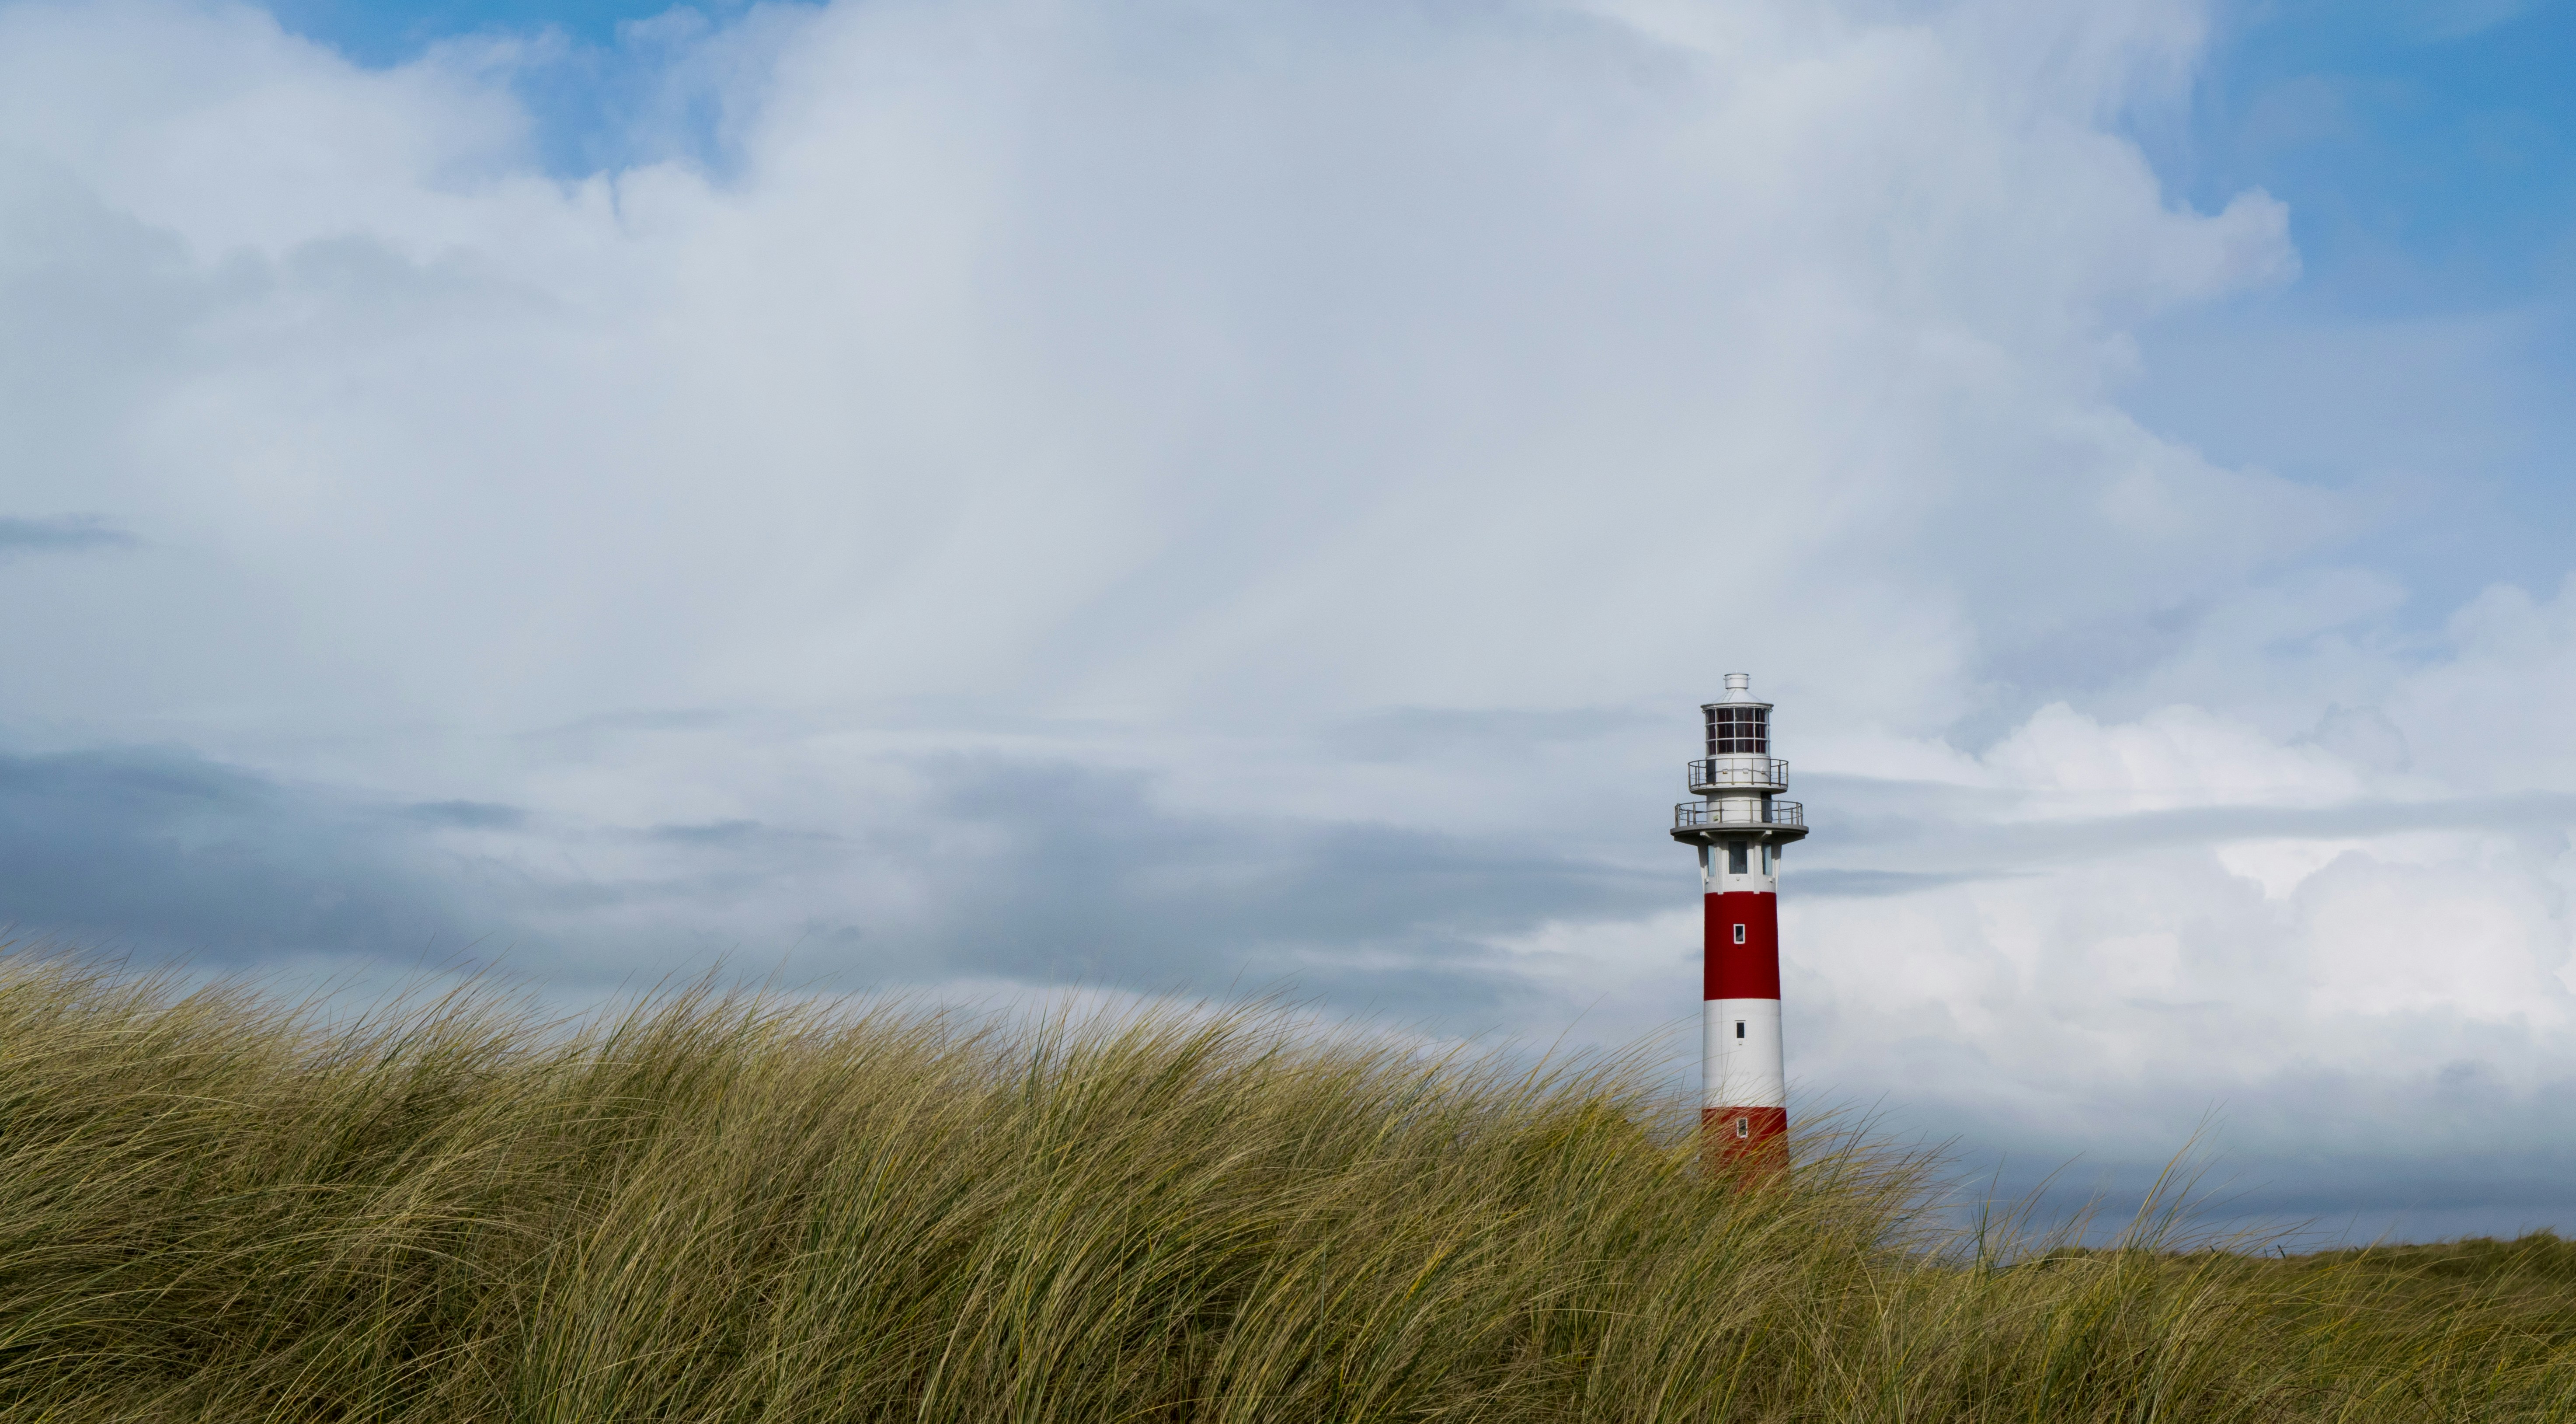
{"x": 1739, "y": 688}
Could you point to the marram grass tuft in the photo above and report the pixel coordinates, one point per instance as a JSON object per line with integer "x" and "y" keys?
{"x": 721, "y": 1208}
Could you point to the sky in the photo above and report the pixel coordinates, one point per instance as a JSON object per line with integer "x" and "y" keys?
{"x": 999, "y": 499}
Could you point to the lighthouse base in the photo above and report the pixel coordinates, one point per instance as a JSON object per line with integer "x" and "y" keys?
{"x": 1751, "y": 1144}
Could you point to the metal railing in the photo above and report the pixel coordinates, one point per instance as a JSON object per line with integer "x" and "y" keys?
{"x": 1738, "y": 771}
{"x": 1692, "y": 814}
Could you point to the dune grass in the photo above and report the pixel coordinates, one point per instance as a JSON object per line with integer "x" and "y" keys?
{"x": 721, "y": 1208}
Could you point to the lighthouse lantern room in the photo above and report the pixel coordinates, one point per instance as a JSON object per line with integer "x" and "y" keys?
{"x": 1739, "y": 826}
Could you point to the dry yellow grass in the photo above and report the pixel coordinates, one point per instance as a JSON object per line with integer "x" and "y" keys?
{"x": 718, "y": 1208}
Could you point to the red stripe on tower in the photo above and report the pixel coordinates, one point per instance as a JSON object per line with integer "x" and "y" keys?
{"x": 1739, "y": 827}
{"x": 1742, "y": 937}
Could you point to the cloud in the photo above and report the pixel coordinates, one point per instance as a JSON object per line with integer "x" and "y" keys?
{"x": 1832, "y": 883}
{"x": 1042, "y": 874}
{"x": 473, "y": 815}
{"x": 165, "y": 854}
{"x": 1113, "y": 353}
{"x": 63, "y": 533}
{"x": 2376, "y": 979}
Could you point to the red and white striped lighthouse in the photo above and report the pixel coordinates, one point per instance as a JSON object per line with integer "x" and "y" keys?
{"x": 1739, "y": 828}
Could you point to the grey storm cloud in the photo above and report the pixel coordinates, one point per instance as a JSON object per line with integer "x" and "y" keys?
{"x": 1043, "y": 873}
{"x": 2233, "y": 1183}
{"x": 60, "y": 534}
{"x": 1054, "y": 873}
{"x": 1950, "y": 835}
{"x": 1409, "y": 732}
{"x": 1832, "y": 884}
{"x": 163, "y": 852}
{"x": 472, "y": 815}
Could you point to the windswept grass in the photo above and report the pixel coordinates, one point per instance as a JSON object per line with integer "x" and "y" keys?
{"x": 718, "y": 1208}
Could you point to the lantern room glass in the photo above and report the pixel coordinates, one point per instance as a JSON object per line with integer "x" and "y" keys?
{"x": 1739, "y": 731}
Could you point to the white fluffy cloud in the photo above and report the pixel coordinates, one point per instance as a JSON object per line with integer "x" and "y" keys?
{"x": 1160, "y": 493}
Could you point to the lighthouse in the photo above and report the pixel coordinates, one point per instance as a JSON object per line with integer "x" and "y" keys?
{"x": 1739, "y": 826}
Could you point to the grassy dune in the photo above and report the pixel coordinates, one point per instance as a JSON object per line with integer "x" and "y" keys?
{"x": 716, "y": 1208}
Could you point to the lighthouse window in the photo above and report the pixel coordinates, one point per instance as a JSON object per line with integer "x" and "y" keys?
{"x": 1768, "y": 858}
{"x": 1739, "y": 934}
{"x": 1736, "y": 858}
{"x": 1739, "y": 1028}
{"x": 1736, "y": 731}
{"x": 1744, "y": 1127}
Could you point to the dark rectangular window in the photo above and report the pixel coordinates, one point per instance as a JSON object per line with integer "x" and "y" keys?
{"x": 1739, "y": 934}
{"x": 1736, "y": 860}
{"x": 1739, "y": 1028}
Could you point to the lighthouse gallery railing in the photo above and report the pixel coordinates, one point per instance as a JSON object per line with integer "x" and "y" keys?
{"x": 1739, "y": 771}
{"x": 1691, "y": 814}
